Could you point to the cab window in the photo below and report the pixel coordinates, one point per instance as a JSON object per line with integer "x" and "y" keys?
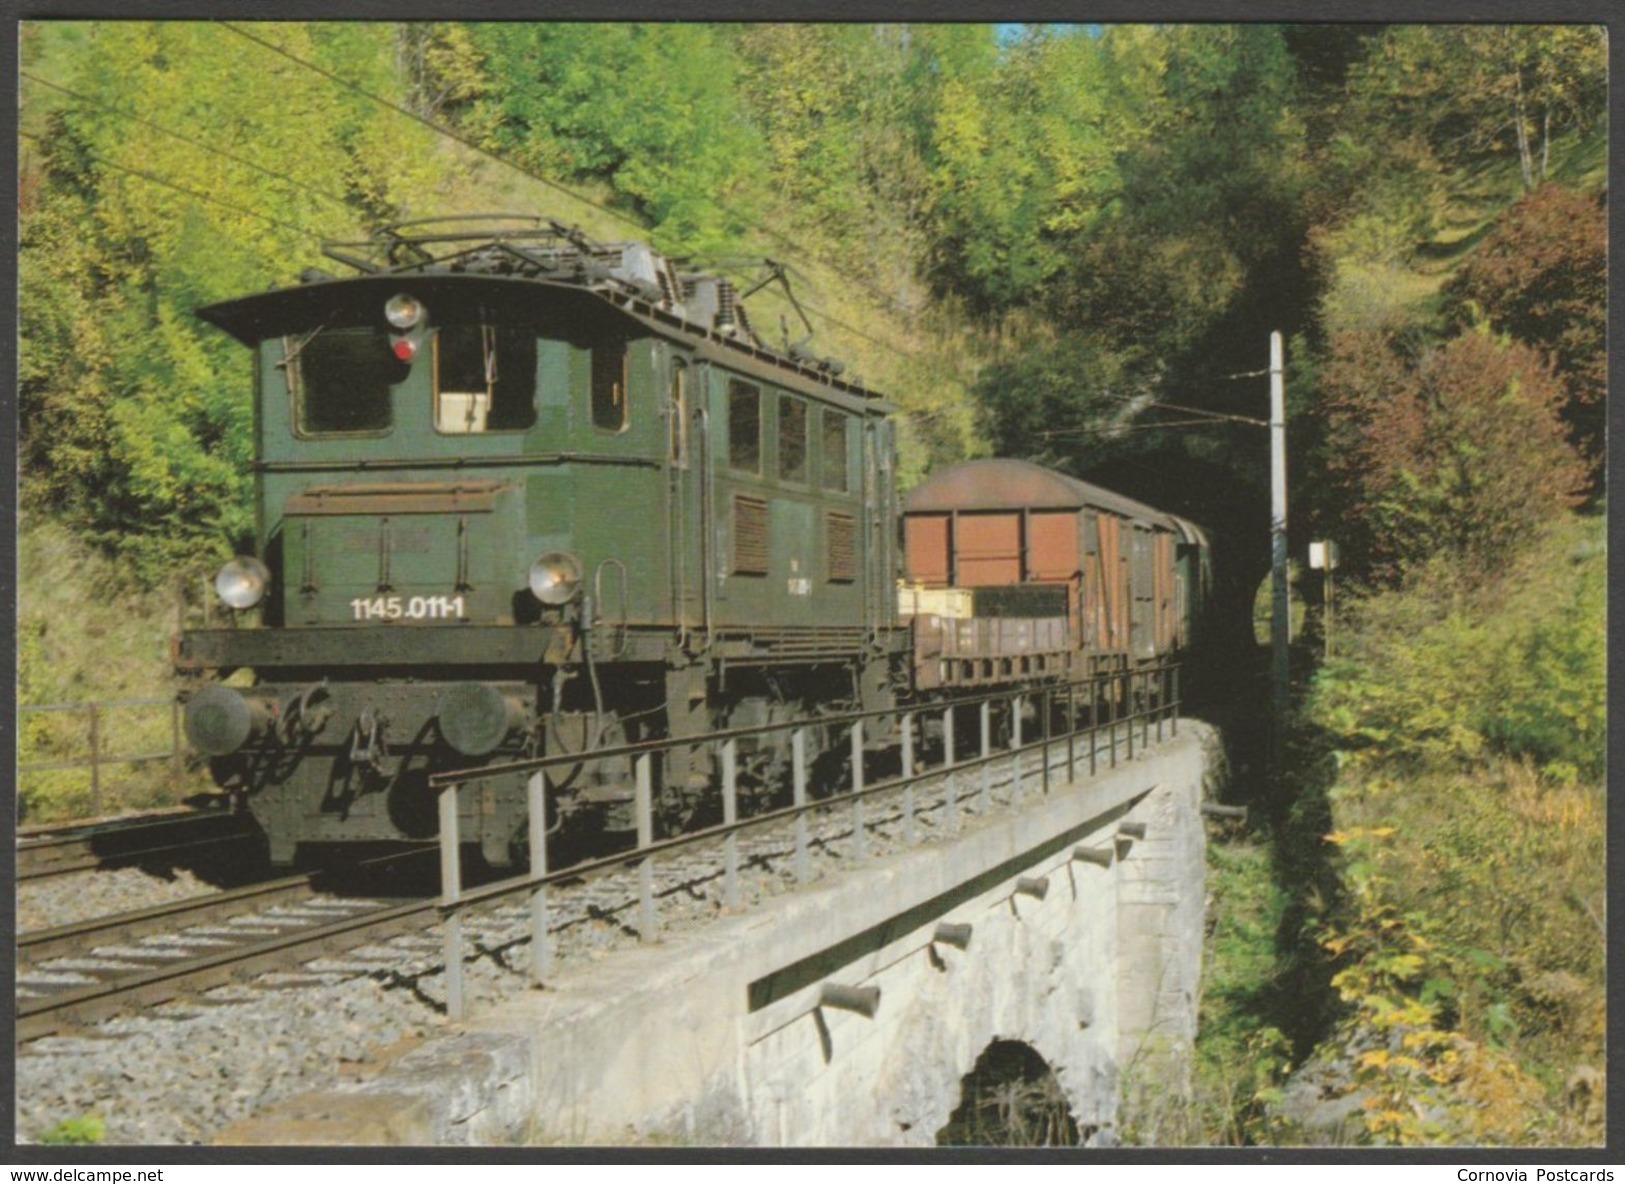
{"x": 792, "y": 439}
{"x": 837, "y": 469}
{"x": 744, "y": 426}
{"x": 485, "y": 378}
{"x": 341, "y": 378}
{"x": 610, "y": 412}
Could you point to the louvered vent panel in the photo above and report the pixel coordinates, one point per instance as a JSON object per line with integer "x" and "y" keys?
{"x": 750, "y": 536}
{"x": 841, "y": 533}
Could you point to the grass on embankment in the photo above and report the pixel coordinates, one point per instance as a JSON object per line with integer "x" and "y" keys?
{"x": 84, "y": 634}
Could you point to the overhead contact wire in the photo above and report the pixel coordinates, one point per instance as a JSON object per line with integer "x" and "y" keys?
{"x": 624, "y": 219}
{"x": 189, "y": 192}
{"x": 183, "y": 138}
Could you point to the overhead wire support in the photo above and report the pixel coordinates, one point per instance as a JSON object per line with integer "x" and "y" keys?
{"x": 1216, "y": 415}
{"x": 1120, "y": 429}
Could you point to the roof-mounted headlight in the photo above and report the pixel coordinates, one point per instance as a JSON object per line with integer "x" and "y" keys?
{"x": 242, "y": 582}
{"x": 555, "y": 578}
{"x": 403, "y": 311}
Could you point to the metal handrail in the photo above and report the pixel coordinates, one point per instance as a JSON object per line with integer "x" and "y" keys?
{"x": 1164, "y": 706}
{"x": 439, "y": 781}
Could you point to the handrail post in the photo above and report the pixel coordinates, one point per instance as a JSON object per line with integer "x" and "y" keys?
{"x": 908, "y": 777}
{"x": 860, "y": 838}
{"x": 451, "y": 891}
{"x": 1046, "y": 705}
{"x": 1162, "y": 698}
{"x": 175, "y": 762}
{"x": 730, "y": 815}
{"x": 950, "y": 789}
{"x": 1145, "y": 713}
{"x": 1071, "y": 731}
{"x": 1116, "y": 687}
{"x": 798, "y": 766}
{"x": 1173, "y": 675}
{"x": 541, "y": 951}
{"x": 1129, "y": 703}
{"x": 986, "y": 803}
{"x": 1094, "y": 722}
{"x": 643, "y": 803}
{"x": 1015, "y": 748}
{"x": 95, "y": 761}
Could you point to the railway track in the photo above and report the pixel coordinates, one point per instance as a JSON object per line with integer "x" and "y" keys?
{"x": 107, "y": 971}
{"x": 86, "y": 846}
{"x": 80, "y": 938}
{"x": 74, "y": 975}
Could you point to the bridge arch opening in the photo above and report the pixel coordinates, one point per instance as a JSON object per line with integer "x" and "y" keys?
{"x": 1011, "y": 1098}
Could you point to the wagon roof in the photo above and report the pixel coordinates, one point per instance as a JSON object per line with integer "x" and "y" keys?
{"x": 1023, "y": 485}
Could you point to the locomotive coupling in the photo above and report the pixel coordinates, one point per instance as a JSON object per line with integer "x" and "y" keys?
{"x": 220, "y": 720}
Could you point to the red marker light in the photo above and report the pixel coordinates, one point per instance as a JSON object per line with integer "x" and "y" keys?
{"x": 406, "y": 349}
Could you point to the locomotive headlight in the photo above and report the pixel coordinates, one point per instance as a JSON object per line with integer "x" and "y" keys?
{"x": 555, "y": 578}
{"x": 403, "y": 311}
{"x": 242, "y": 582}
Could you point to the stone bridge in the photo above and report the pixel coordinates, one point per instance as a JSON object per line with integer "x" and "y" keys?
{"x": 849, "y": 1012}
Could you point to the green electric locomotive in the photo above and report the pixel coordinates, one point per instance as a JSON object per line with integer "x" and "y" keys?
{"x": 522, "y": 493}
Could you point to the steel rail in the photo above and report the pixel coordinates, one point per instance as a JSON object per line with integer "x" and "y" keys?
{"x": 49, "y": 831}
{"x": 64, "y": 1011}
{"x": 82, "y": 848}
{"x": 57, "y": 941}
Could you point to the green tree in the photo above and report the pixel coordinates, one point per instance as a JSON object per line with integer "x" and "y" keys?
{"x": 1199, "y": 250}
{"x": 651, "y": 110}
{"x": 1067, "y": 404}
{"x": 839, "y": 111}
{"x": 1022, "y": 163}
{"x": 1454, "y": 93}
{"x": 443, "y": 70}
{"x": 180, "y": 164}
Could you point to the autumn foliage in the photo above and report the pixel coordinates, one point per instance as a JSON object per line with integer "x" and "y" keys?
{"x": 1542, "y": 277}
{"x": 1458, "y": 451}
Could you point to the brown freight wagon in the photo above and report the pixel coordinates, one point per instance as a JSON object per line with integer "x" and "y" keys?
{"x": 1099, "y": 582}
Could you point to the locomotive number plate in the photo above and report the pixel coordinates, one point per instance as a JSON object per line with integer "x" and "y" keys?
{"x": 402, "y": 608}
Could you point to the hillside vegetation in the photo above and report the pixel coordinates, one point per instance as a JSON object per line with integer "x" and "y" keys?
{"x": 1062, "y": 243}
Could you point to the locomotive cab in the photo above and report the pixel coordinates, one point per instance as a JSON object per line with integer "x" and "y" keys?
{"x": 518, "y": 498}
